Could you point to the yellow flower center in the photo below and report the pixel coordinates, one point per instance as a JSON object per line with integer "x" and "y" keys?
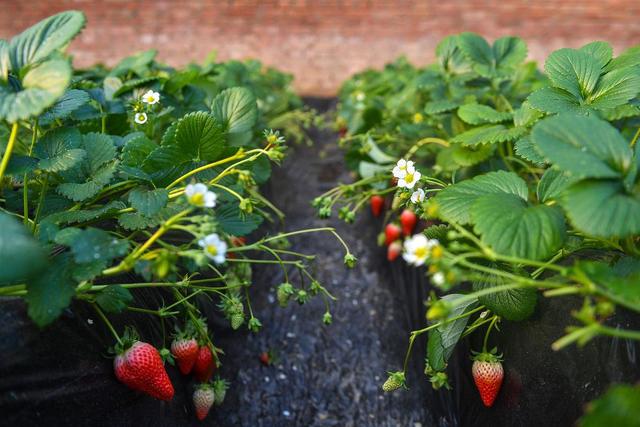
{"x": 409, "y": 178}
{"x": 271, "y": 139}
{"x": 417, "y": 118}
{"x": 421, "y": 252}
{"x": 212, "y": 250}
{"x": 197, "y": 199}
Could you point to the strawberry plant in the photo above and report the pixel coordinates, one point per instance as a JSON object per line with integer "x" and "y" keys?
{"x": 523, "y": 183}
{"x": 120, "y": 182}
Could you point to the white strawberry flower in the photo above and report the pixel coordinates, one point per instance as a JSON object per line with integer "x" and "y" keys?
{"x": 151, "y": 97}
{"x": 417, "y": 196}
{"x": 400, "y": 170}
{"x": 410, "y": 178}
{"x": 417, "y": 249}
{"x": 140, "y": 118}
{"x": 200, "y": 196}
{"x": 438, "y": 278}
{"x": 214, "y": 248}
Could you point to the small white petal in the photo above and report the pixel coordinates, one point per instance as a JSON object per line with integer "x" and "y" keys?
{"x": 210, "y": 199}
{"x": 190, "y": 190}
{"x": 200, "y": 188}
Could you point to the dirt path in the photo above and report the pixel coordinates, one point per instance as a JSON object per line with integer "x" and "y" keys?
{"x": 327, "y": 376}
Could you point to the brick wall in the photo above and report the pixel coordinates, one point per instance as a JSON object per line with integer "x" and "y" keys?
{"x": 322, "y": 42}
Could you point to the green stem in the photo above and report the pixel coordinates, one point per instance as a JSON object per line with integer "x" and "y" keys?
{"x": 25, "y": 191}
{"x": 108, "y": 323}
{"x": 237, "y": 155}
{"x": 486, "y": 335}
{"x": 43, "y": 192}
{"x": 416, "y": 333}
{"x": 635, "y": 138}
{"x": 7, "y": 154}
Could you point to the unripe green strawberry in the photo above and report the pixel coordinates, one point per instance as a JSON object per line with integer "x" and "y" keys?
{"x": 236, "y": 319}
{"x": 220, "y": 391}
{"x": 284, "y": 293}
{"x": 394, "y": 382}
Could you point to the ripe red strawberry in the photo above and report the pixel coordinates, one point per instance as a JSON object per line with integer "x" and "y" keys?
{"x": 203, "y": 399}
{"x": 394, "y": 250}
{"x": 488, "y": 375}
{"x": 265, "y": 358}
{"x": 140, "y": 368}
{"x": 391, "y": 233}
{"x": 205, "y": 366}
{"x": 377, "y": 203}
{"x": 185, "y": 351}
{"x": 408, "y": 219}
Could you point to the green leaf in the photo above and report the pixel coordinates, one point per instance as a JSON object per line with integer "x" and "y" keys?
{"x": 509, "y": 52}
{"x": 21, "y": 256}
{"x": 512, "y": 304}
{"x": 510, "y": 227}
{"x": 552, "y": 185}
{"x": 478, "y": 114}
{"x": 455, "y": 201}
{"x": 443, "y": 339}
{"x": 41, "y": 87}
{"x": 628, "y": 58}
{"x": 114, "y": 298}
{"x": 137, "y": 63}
{"x": 476, "y": 49}
{"x": 602, "y": 208}
{"x": 59, "y": 150}
{"x": 469, "y": 156}
{"x": 50, "y": 292}
{"x": 67, "y": 104}
{"x": 236, "y": 108}
{"x": 376, "y": 154}
{"x": 79, "y": 191}
{"x": 93, "y": 244}
{"x": 616, "y": 88}
{"x": 616, "y": 283}
{"x": 201, "y": 136}
{"x": 554, "y": 100}
{"x": 86, "y": 179}
{"x": 19, "y": 165}
{"x": 583, "y": 146}
{"x": 574, "y": 71}
{"x": 100, "y": 150}
{"x": 526, "y": 115}
{"x": 129, "y": 85}
{"x": 39, "y": 41}
{"x": 440, "y": 106}
{"x": 148, "y": 202}
{"x": 70, "y": 217}
{"x": 233, "y": 222}
{"x": 136, "y": 149}
{"x": 489, "y": 134}
{"x": 369, "y": 169}
{"x": 527, "y": 150}
{"x": 5, "y": 62}
{"x": 600, "y": 51}
{"x": 617, "y": 407}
